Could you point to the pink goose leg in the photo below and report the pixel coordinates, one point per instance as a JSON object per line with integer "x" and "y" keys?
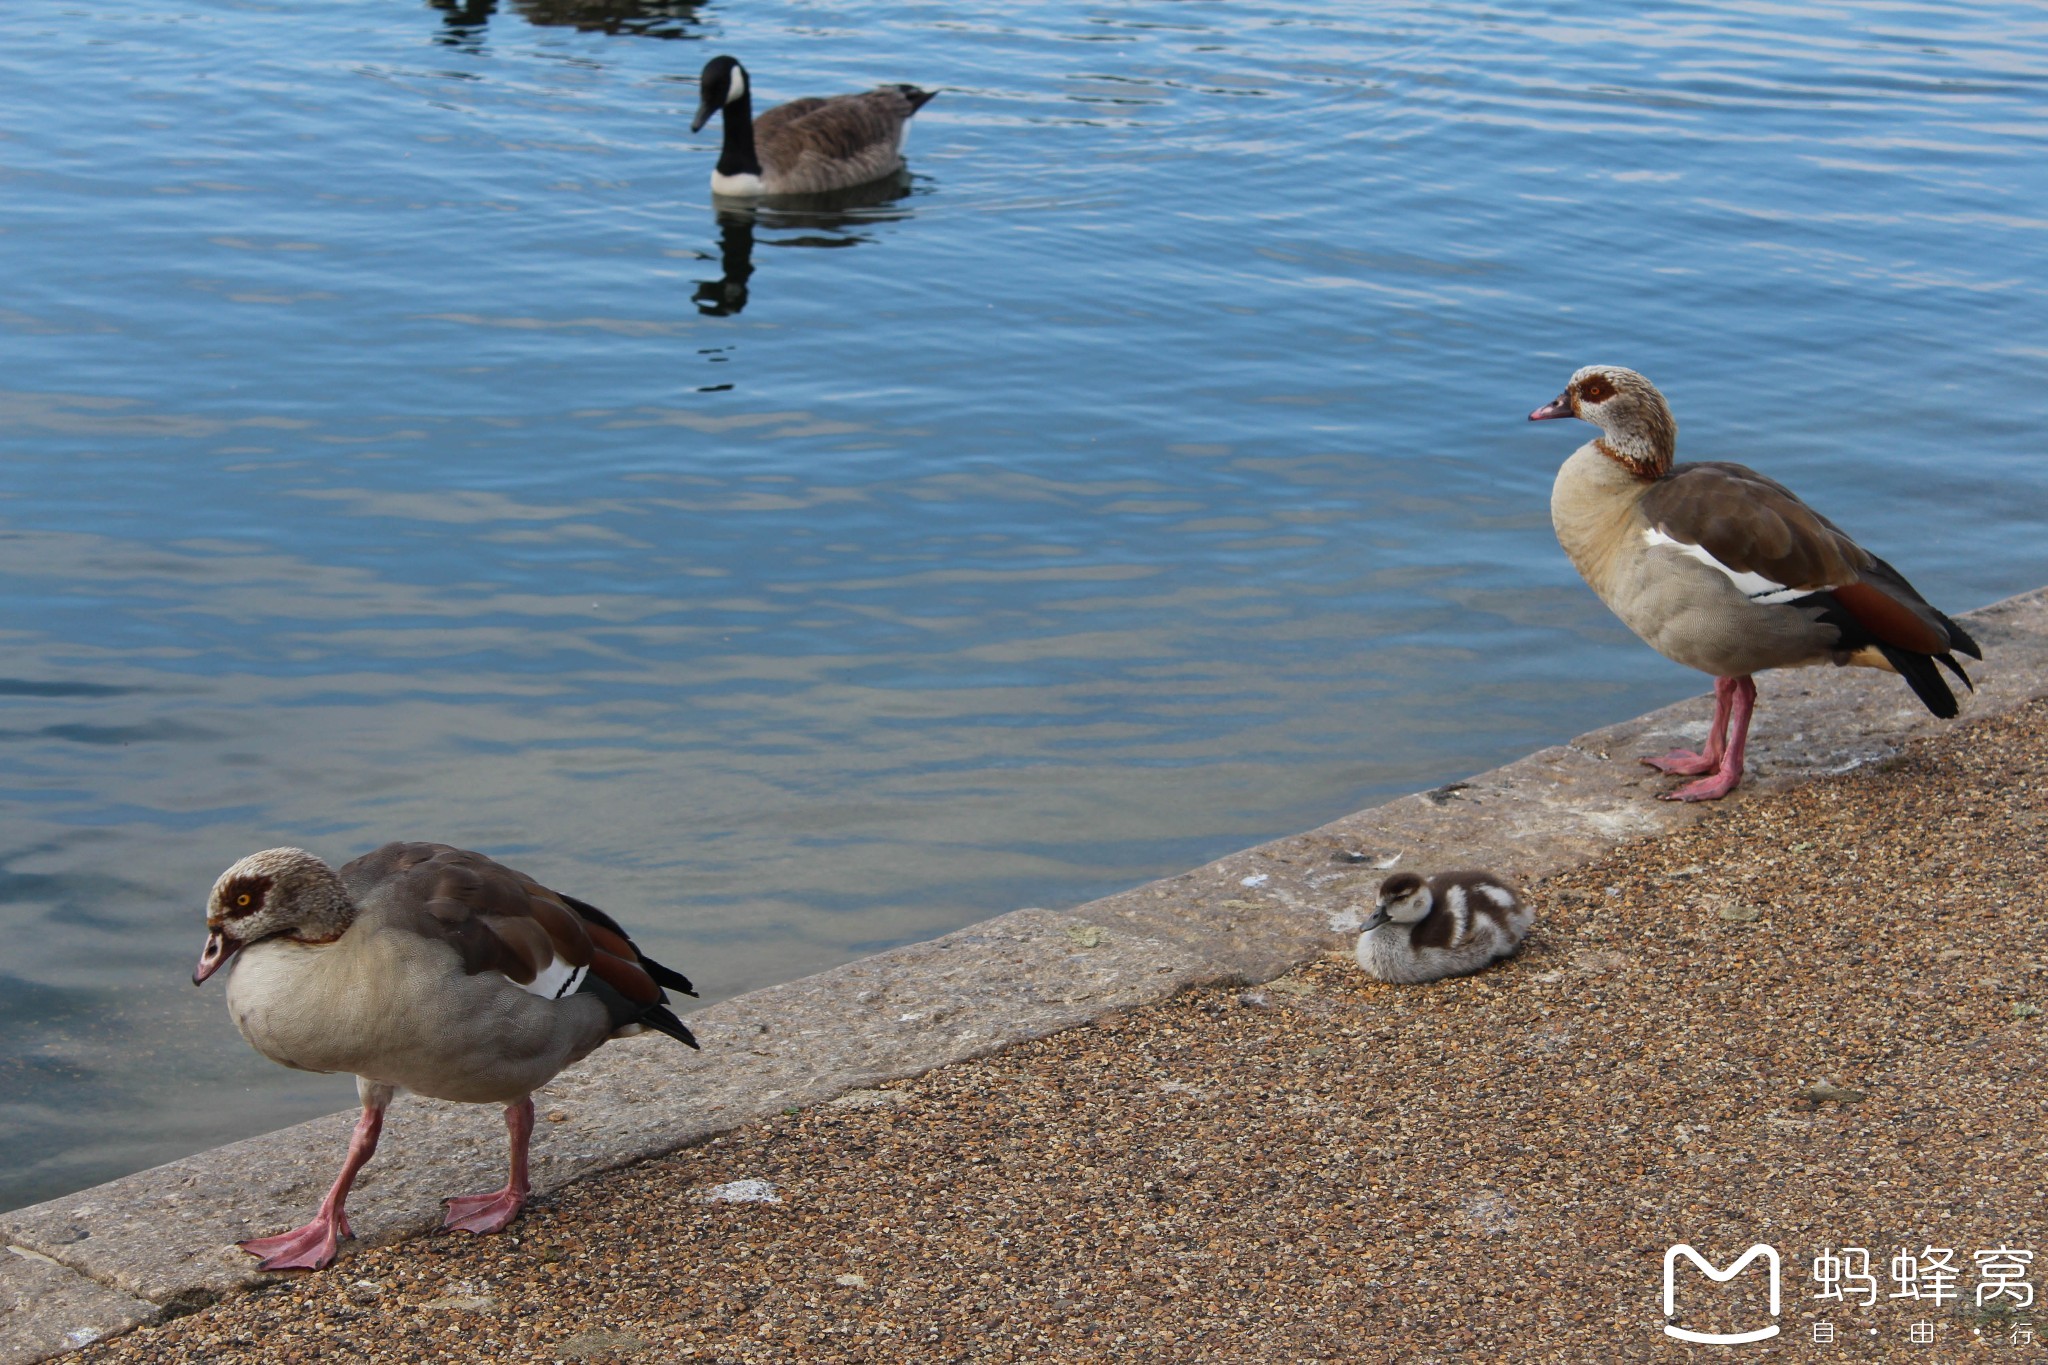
{"x": 1686, "y": 763}
{"x": 313, "y": 1246}
{"x": 491, "y": 1212}
{"x": 1742, "y": 693}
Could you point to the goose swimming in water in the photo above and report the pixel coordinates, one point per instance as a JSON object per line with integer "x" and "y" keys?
{"x": 807, "y": 146}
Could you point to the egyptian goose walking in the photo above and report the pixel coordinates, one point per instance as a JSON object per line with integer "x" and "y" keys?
{"x": 807, "y": 146}
{"x": 425, "y": 968}
{"x": 1726, "y": 571}
{"x": 1451, "y": 924}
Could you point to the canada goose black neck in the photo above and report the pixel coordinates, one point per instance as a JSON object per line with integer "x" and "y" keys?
{"x": 737, "y": 156}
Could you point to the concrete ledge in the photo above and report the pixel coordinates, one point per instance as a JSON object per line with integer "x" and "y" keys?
{"x": 47, "y": 1308}
{"x": 160, "y": 1242}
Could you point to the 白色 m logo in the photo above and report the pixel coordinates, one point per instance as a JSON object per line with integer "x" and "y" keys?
{"x": 1671, "y": 1255}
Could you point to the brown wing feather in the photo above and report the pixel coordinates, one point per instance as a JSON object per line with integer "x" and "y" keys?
{"x": 817, "y": 144}
{"x": 770, "y": 121}
{"x": 564, "y": 929}
{"x": 1753, "y": 524}
{"x": 439, "y": 895}
{"x": 499, "y": 920}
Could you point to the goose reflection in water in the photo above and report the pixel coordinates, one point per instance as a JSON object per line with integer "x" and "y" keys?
{"x": 814, "y": 220}
{"x": 464, "y": 21}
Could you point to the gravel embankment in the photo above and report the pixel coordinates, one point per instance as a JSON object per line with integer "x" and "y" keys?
{"x": 1327, "y": 1168}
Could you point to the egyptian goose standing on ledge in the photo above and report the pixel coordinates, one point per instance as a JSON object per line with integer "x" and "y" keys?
{"x": 425, "y": 968}
{"x": 1726, "y": 571}
{"x": 807, "y": 146}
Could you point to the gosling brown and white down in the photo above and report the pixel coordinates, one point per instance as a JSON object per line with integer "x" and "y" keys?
{"x": 1447, "y": 925}
{"x": 807, "y": 146}
{"x": 425, "y": 968}
{"x": 1721, "y": 569}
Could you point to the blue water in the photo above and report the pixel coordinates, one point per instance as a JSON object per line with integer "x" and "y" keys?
{"x": 398, "y": 444}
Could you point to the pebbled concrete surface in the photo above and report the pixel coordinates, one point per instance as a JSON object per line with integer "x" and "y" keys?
{"x": 160, "y": 1242}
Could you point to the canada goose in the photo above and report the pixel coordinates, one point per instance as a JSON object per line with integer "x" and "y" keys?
{"x": 422, "y": 967}
{"x": 1449, "y": 925}
{"x": 1726, "y": 571}
{"x": 806, "y": 146}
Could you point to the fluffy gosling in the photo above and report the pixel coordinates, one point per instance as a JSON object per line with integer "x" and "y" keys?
{"x": 1448, "y": 925}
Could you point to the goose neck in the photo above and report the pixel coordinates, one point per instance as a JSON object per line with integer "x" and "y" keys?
{"x": 737, "y": 156}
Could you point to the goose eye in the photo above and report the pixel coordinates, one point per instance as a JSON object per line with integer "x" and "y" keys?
{"x": 1596, "y": 391}
{"x": 242, "y": 899}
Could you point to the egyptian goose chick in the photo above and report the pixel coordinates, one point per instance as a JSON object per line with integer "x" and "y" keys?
{"x": 425, "y": 968}
{"x": 806, "y": 146}
{"x": 1726, "y": 571}
{"x": 1449, "y": 925}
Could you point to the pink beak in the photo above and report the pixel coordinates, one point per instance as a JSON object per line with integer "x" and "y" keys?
{"x": 1560, "y": 406}
{"x": 219, "y": 948}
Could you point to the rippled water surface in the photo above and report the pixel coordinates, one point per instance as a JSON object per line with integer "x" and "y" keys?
{"x": 399, "y": 444}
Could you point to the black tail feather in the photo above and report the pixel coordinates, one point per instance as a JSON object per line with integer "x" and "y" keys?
{"x": 1958, "y": 638}
{"x": 625, "y": 1012}
{"x": 918, "y": 98}
{"x": 1924, "y": 678}
{"x": 668, "y": 976}
{"x": 1919, "y": 670}
{"x": 593, "y": 914}
{"x": 661, "y": 1020}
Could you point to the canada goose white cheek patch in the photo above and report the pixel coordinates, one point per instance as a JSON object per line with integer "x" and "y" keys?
{"x": 737, "y": 88}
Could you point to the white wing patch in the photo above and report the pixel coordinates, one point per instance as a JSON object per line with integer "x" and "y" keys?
{"x": 555, "y": 980}
{"x": 1499, "y": 895}
{"x": 1461, "y": 914}
{"x": 1754, "y": 586}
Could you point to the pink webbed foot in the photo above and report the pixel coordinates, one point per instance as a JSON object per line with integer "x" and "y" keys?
{"x": 311, "y": 1247}
{"x": 491, "y": 1212}
{"x": 1708, "y": 789}
{"x": 1719, "y": 765}
{"x": 483, "y": 1212}
{"x": 1681, "y": 763}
